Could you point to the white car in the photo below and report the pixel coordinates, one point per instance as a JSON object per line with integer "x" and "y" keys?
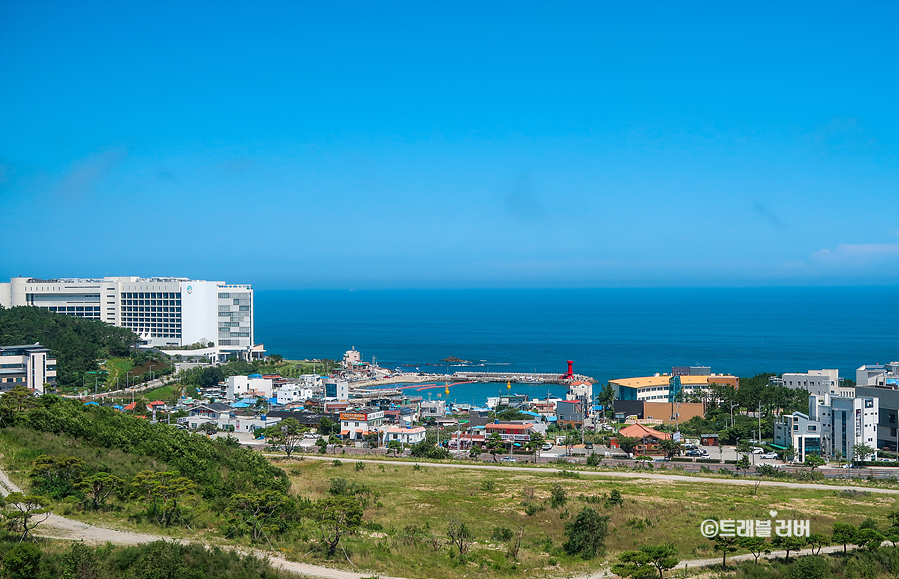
{"x": 769, "y": 455}
{"x": 757, "y": 450}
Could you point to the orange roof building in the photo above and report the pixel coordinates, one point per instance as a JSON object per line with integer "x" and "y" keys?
{"x": 640, "y": 431}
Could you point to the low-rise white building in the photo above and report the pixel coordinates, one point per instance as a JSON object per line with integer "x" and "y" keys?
{"x": 251, "y": 423}
{"x": 406, "y": 436}
{"x": 818, "y": 382}
{"x": 359, "y": 423}
{"x": 217, "y": 413}
{"x": 804, "y": 434}
{"x": 337, "y": 389}
{"x": 30, "y": 366}
{"x": 877, "y": 374}
{"x": 433, "y": 409}
{"x": 237, "y": 386}
{"x": 292, "y": 393}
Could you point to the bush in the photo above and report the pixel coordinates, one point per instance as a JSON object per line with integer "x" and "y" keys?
{"x": 586, "y": 534}
{"x": 557, "y": 498}
{"x": 22, "y": 561}
{"x": 502, "y": 534}
{"x": 810, "y": 567}
{"x": 217, "y": 467}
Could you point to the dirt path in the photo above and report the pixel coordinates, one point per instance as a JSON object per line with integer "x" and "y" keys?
{"x": 611, "y": 473}
{"x": 58, "y": 527}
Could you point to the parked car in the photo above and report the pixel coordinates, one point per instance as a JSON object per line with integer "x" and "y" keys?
{"x": 694, "y": 452}
{"x": 508, "y": 459}
{"x": 757, "y": 450}
{"x": 548, "y": 446}
{"x": 769, "y": 455}
{"x": 589, "y": 446}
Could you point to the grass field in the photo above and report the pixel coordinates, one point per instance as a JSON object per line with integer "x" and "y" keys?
{"x": 408, "y": 508}
{"x": 167, "y": 393}
{"x": 117, "y": 368}
{"x": 654, "y": 512}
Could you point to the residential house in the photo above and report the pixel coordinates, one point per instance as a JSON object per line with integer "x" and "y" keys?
{"x": 406, "y": 436}
{"x": 649, "y": 438}
{"x": 357, "y": 424}
{"x": 215, "y": 412}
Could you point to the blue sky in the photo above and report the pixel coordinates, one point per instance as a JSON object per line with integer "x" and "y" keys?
{"x": 499, "y": 144}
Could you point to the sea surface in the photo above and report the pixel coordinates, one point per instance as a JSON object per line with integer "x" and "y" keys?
{"x": 608, "y": 333}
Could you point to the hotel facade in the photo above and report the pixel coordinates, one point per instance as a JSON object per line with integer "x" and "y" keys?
{"x": 164, "y": 312}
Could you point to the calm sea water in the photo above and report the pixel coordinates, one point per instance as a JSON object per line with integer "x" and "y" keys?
{"x": 609, "y": 333}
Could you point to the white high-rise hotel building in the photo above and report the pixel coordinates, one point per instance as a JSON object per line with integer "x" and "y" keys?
{"x": 162, "y": 311}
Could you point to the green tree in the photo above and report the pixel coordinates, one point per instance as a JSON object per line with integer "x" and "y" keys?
{"x": 99, "y": 486}
{"x": 460, "y": 536}
{"x": 337, "y": 516}
{"x": 743, "y": 464}
{"x": 475, "y": 451}
{"x": 326, "y": 426}
{"x": 586, "y": 534}
{"x": 79, "y": 562}
{"x": 495, "y": 445}
{"x": 629, "y": 444}
{"x": 25, "y": 512}
{"x": 646, "y": 562}
{"x": 724, "y": 545}
{"x": 14, "y": 403}
{"x": 162, "y": 491}
{"x": 816, "y": 541}
{"x": 557, "y": 497}
{"x": 811, "y": 567}
{"x": 287, "y": 434}
{"x": 869, "y": 539}
{"x": 22, "y": 561}
{"x": 56, "y": 476}
{"x": 788, "y": 544}
{"x": 394, "y": 446}
{"x": 535, "y": 444}
{"x": 814, "y": 461}
{"x": 571, "y": 439}
{"x": 606, "y": 398}
{"x": 255, "y": 510}
{"x": 755, "y": 545}
{"x": 843, "y": 534}
{"x": 593, "y": 459}
{"x": 861, "y": 452}
{"x": 670, "y": 447}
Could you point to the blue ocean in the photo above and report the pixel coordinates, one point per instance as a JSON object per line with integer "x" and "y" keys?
{"x": 608, "y": 333}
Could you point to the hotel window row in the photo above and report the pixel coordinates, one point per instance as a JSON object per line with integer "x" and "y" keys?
{"x": 78, "y": 311}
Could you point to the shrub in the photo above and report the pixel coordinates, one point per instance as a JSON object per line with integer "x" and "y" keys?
{"x": 810, "y": 567}
{"x": 558, "y": 497}
{"x": 586, "y": 534}
{"x": 501, "y": 534}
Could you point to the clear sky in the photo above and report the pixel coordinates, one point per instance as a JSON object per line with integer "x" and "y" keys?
{"x": 429, "y": 144}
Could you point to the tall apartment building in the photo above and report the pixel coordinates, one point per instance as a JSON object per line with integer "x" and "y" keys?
{"x": 162, "y": 311}
{"x": 30, "y": 366}
{"x": 818, "y": 383}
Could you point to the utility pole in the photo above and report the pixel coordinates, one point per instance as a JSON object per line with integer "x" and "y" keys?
{"x": 760, "y": 422}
